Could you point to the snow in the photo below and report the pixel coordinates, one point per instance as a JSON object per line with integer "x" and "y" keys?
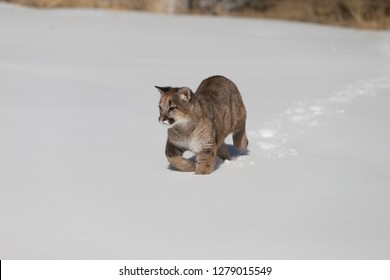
{"x": 83, "y": 172}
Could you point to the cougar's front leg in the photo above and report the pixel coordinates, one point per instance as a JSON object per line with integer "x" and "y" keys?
{"x": 175, "y": 158}
{"x": 206, "y": 161}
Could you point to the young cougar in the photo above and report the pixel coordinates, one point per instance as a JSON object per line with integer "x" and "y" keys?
{"x": 200, "y": 122}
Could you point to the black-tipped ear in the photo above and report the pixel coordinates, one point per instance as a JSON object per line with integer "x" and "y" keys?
{"x": 185, "y": 94}
{"x": 163, "y": 90}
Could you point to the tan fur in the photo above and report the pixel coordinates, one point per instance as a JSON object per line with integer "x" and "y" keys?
{"x": 200, "y": 122}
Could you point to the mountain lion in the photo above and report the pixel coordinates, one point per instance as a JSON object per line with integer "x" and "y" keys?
{"x": 200, "y": 122}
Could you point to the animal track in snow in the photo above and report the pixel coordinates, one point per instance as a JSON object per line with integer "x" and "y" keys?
{"x": 270, "y": 141}
{"x": 267, "y": 133}
{"x": 273, "y": 139}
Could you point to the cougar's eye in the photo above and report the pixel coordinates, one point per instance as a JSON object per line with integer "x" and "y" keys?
{"x": 159, "y": 107}
{"x": 171, "y": 109}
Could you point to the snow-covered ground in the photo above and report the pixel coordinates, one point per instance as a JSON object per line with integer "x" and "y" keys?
{"x": 82, "y": 168}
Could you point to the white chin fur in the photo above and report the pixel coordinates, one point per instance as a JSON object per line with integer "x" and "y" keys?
{"x": 167, "y": 124}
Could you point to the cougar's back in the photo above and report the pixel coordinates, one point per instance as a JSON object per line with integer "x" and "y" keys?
{"x": 224, "y": 105}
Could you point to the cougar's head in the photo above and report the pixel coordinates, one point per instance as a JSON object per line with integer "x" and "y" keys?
{"x": 174, "y": 105}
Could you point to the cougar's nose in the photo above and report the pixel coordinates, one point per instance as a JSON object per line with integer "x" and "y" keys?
{"x": 162, "y": 119}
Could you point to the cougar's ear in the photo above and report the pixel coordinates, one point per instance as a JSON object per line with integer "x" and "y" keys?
{"x": 163, "y": 90}
{"x": 185, "y": 94}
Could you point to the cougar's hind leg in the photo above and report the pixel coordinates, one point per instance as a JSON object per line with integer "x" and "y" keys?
{"x": 223, "y": 152}
{"x": 240, "y": 140}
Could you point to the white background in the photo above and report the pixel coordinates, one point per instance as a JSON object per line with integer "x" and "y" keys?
{"x": 303, "y": 270}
